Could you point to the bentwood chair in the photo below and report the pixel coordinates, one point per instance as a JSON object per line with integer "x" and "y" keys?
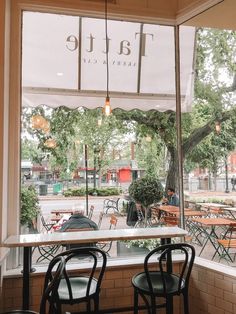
{"x": 83, "y": 286}
{"x": 164, "y": 283}
{"x": 49, "y": 304}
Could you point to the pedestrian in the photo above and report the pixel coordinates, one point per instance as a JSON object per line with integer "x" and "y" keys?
{"x": 233, "y": 182}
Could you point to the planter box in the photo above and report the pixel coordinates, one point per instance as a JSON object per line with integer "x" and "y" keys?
{"x": 123, "y": 250}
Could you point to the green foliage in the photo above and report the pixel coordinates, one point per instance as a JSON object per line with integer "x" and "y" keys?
{"x": 92, "y": 191}
{"x": 29, "y": 206}
{"x": 150, "y": 244}
{"x": 146, "y": 191}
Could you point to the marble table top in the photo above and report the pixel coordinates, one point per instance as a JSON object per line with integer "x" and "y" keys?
{"x": 32, "y": 240}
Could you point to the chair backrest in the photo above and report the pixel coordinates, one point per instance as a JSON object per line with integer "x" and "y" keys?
{"x": 47, "y": 226}
{"x": 90, "y": 214}
{"x": 113, "y": 222}
{"x": 171, "y": 220}
{"x": 52, "y": 280}
{"x": 79, "y": 229}
{"x": 162, "y": 253}
{"x": 101, "y": 214}
{"x": 96, "y": 270}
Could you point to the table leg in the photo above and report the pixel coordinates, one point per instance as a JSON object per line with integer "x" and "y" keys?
{"x": 26, "y": 273}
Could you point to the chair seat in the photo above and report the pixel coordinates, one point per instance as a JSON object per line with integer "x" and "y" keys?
{"x": 139, "y": 281}
{"x": 78, "y": 287}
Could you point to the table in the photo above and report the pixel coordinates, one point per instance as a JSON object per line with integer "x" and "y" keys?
{"x": 214, "y": 205}
{"x": 62, "y": 211}
{"x": 232, "y": 211}
{"x": 27, "y": 241}
{"x": 212, "y": 223}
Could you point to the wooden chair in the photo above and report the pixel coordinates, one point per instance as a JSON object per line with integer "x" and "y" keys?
{"x": 107, "y": 245}
{"x": 90, "y": 214}
{"x": 227, "y": 243}
{"x": 101, "y": 214}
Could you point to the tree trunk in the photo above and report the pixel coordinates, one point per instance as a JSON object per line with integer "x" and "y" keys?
{"x": 172, "y": 176}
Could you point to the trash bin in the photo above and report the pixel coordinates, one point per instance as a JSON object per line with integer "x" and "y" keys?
{"x": 57, "y": 187}
{"x": 43, "y": 189}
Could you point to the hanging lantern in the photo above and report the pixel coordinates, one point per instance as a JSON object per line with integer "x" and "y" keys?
{"x": 46, "y": 127}
{"x": 38, "y": 121}
{"x": 50, "y": 143}
{"x": 218, "y": 127}
{"x": 148, "y": 138}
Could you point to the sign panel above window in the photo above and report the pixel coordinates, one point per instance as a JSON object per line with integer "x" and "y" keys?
{"x": 64, "y": 63}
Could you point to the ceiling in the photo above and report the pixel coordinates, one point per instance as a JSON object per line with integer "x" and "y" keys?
{"x": 220, "y": 16}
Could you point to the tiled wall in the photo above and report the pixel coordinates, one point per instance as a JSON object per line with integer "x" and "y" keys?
{"x": 116, "y": 290}
{"x": 212, "y": 290}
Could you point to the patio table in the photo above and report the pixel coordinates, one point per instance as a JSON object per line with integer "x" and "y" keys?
{"x": 210, "y": 223}
{"x": 211, "y": 205}
{"x": 62, "y": 211}
{"x": 27, "y": 241}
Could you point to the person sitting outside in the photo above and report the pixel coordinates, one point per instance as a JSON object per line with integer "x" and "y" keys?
{"x": 78, "y": 221}
{"x": 172, "y": 199}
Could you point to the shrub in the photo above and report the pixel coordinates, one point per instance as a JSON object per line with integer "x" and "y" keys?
{"x": 146, "y": 191}
{"x": 91, "y": 191}
{"x": 29, "y": 206}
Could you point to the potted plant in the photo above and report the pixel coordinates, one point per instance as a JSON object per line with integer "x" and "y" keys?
{"x": 146, "y": 191}
{"x": 29, "y": 208}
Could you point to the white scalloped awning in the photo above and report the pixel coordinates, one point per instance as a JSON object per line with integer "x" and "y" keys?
{"x": 63, "y": 63}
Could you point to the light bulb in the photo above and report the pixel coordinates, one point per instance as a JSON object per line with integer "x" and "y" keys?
{"x": 107, "y": 107}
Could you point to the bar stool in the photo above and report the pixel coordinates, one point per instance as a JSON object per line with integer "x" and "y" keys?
{"x": 51, "y": 283}
{"x": 164, "y": 283}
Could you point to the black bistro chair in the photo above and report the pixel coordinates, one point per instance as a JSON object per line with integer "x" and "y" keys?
{"x": 151, "y": 284}
{"x": 83, "y": 287}
{"x": 51, "y": 283}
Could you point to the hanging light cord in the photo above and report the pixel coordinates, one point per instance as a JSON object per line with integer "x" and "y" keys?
{"x": 107, "y": 56}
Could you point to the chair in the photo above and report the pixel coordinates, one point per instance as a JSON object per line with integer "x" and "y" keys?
{"x": 47, "y": 225}
{"x": 90, "y": 214}
{"x": 80, "y": 288}
{"x": 101, "y": 214}
{"x": 46, "y": 252}
{"x": 107, "y": 245}
{"x": 227, "y": 243}
{"x": 111, "y": 204}
{"x": 163, "y": 283}
{"x": 51, "y": 283}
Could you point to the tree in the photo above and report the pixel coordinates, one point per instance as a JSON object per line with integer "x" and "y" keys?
{"x": 214, "y": 99}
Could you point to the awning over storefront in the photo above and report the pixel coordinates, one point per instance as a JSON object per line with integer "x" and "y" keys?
{"x": 64, "y": 63}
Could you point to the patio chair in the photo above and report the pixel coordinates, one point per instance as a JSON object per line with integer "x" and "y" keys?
{"x": 164, "y": 283}
{"x": 46, "y": 252}
{"x": 101, "y": 214}
{"x": 47, "y": 225}
{"x": 111, "y": 204}
{"x": 90, "y": 214}
{"x": 107, "y": 245}
{"x": 227, "y": 243}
